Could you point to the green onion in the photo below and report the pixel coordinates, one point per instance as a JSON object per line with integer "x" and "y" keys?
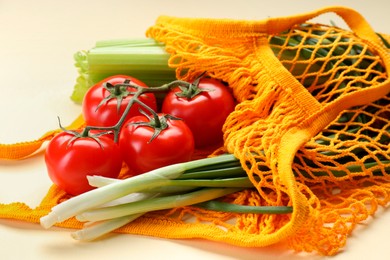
{"x": 118, "y": 202}
{"x": 107, "y": 193}
{"x": 97, "y": 229}
{"x": 159, "y": 203}
{"x": 97, "y": 197}
{"x": 235, "y": 208}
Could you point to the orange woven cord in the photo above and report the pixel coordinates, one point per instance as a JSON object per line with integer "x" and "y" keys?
{"x": 26, "y": 149}
{"x": 19, "y": 210}
{"x": 311, "y": 129}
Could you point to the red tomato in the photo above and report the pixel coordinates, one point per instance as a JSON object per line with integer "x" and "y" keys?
{"x": 69, "y": 161}
{"x": 205, "y": 113}
{"x": 174, "y": 144}
{"x": 107, "y": 114}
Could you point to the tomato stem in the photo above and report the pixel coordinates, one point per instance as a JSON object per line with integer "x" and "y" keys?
{"x": 120, "y": 91}
{"x": 158, "y": 123}
{"x": 192, "y": 89}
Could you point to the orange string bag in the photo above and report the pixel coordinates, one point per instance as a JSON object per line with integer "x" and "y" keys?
{"x": 311, "y": 129}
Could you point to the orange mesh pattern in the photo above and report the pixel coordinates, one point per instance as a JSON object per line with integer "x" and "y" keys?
{"x": 311, "y": 129}
{"x": 308, "y": 128}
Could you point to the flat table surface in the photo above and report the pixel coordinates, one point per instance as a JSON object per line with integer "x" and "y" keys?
{"x": 37, "y": 75}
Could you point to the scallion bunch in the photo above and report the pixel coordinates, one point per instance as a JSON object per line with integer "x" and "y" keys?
{"x": 118, "y": 202}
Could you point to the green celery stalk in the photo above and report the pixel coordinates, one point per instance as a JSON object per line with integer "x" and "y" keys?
{"x": 144, "y": 59}
{"x": 147, "y": 60}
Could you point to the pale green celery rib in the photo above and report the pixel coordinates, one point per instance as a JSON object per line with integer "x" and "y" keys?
{"x": 154, "y": 204}
{"x": 149, "y": 62}
{"x": 151, "y": 82}
{"x": 144, "y": 59}
{"x": 128, "y": 42}
{"x": 96, "y": 230}
{"x": 160, "y": 50}
{"x": 115, "y": 69}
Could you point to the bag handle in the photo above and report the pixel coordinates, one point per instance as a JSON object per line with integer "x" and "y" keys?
{"x": 210, "y": 28}
{"x": 23, "y": 150}
{"x": 352, "y": 18}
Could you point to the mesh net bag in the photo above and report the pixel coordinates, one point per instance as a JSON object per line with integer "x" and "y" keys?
{"x": 312, "y": 126}
{"x": 311, "y": 129}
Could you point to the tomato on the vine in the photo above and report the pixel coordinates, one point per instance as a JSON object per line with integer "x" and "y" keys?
{"x": 105, "y": 102}
{"x": 146, "y": 145}
{"x": 204, "y": 109}
{"x": 70, "y": 159}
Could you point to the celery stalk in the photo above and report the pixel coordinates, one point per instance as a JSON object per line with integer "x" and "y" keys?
{"x": 147, "y": 59}
{"x": 144, "y": 59}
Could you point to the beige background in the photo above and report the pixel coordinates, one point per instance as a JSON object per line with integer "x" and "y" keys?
{"x": 37, "y": 41}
